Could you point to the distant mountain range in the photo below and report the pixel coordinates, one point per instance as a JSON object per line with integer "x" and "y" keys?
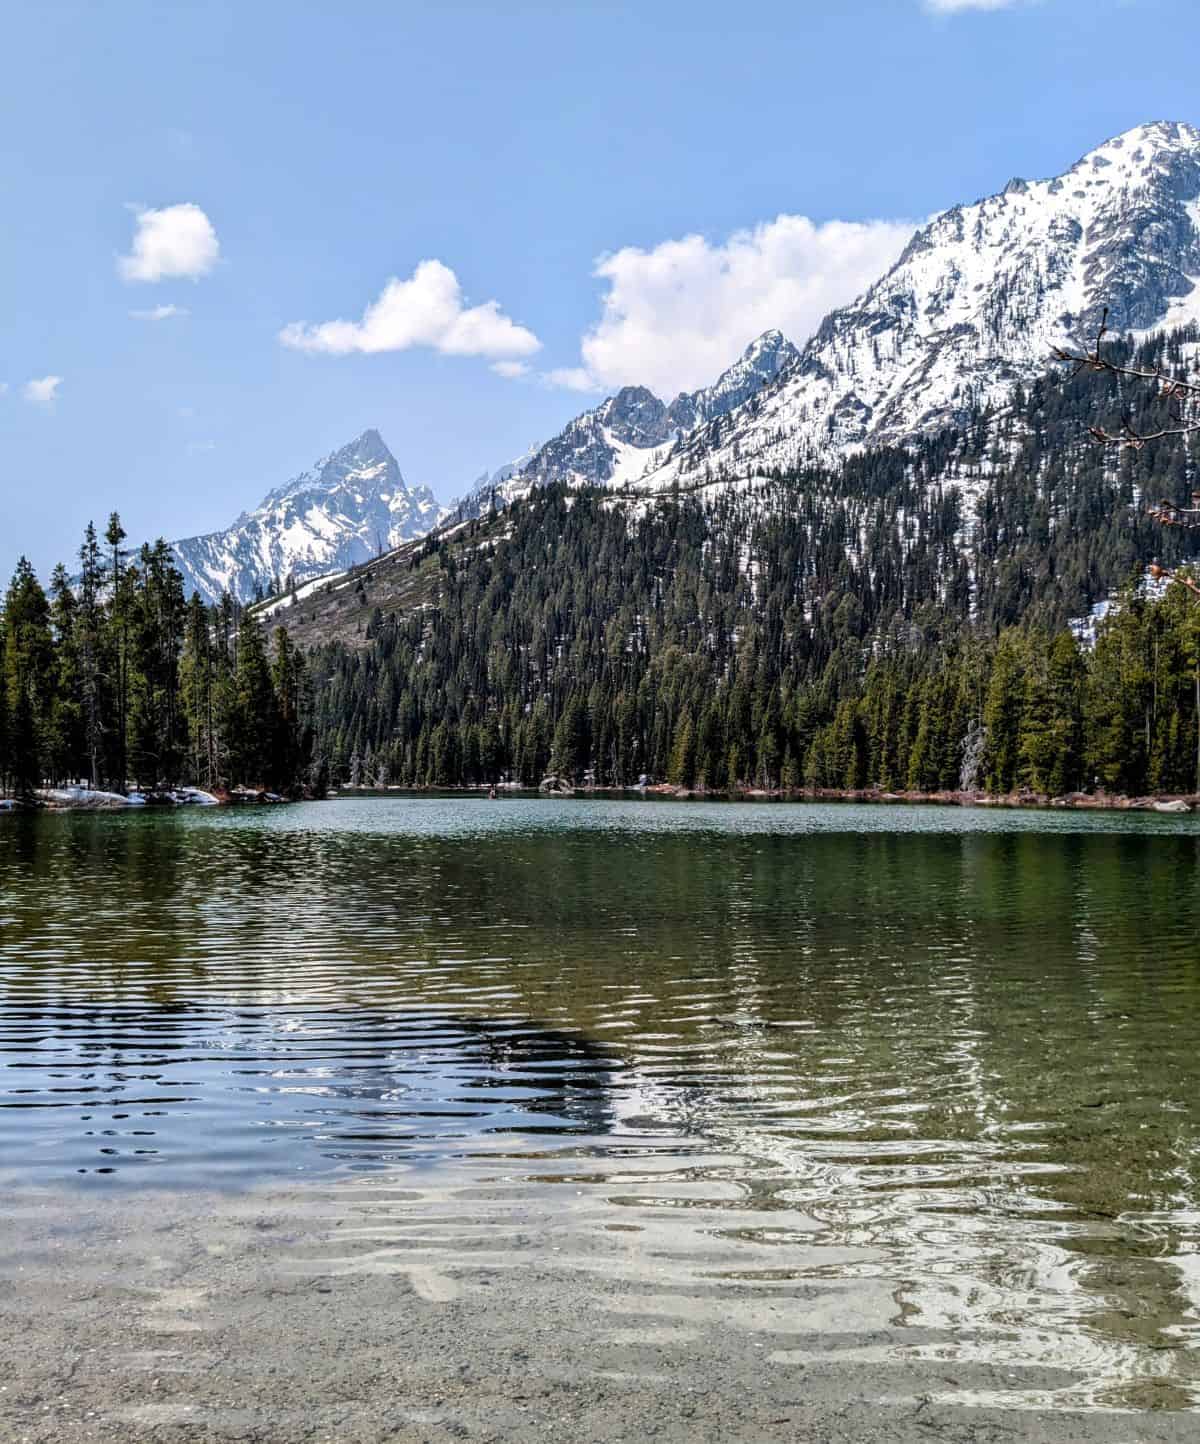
{"x": 977, "y": 301}
{"x": 627, "y": 437}
{"x": 974, "y": 305}
{"x": 351, "y": 506}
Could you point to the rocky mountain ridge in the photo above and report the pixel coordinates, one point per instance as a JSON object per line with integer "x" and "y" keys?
{"x": 352, "y": 505}
{"x": 627, "y": 436}
{"x": 976, "y": 303}
{"x": 978, "y": 300}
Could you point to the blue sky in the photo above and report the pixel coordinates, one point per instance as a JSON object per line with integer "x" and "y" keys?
{"x": 600, "y": 193}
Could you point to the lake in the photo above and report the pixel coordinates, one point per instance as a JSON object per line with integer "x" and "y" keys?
{"x": 944, "y": 1057}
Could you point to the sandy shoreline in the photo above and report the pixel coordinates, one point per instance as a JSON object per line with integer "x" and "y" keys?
{"x": 430, "y": 1307}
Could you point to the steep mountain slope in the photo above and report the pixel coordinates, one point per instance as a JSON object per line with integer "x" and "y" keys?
{"x": 489, "y": 481}
{"x": 841, "y": 616}
{"x": 762, "y": 361}
{"x": 1017, "y": 509}
{"x": 976, "y": 302}
{"x": 349, "y": 507}
{"x": 626, "y": 436}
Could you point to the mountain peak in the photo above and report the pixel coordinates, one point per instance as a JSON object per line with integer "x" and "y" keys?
{"x": 635, "y": 416}
{"x": 1153, "y": 135}
{"x": 1143, "y": 150}
{"x": 365, "y": 449}
{"x": 364, "y": 464}
{"x": 352, "y": 504}
{"x": 980, "y": 298}
{"x": 770, "y": 340}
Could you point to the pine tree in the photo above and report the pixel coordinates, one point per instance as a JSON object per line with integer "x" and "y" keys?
{"x": 65, "y": 733}
{"x": 120, "y": 602}
{"x": 1002, "y": 713}
{"x": 90, "y": 649}
{"x": 251, "y": 722}
{"x": 682, "y": 769}
{"x": 571, "y": 747}
{"x": 28, "y": 680}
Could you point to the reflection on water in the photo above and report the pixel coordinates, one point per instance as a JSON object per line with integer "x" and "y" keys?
{"x": 949, "y": 1057}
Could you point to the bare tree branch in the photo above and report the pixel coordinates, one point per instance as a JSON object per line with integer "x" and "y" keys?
{"x": 1159, "y": 572}
{"x": 1171, "y": 389}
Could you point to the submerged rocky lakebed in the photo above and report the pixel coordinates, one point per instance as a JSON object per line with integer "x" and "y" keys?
{"x": 447, "y": 1118}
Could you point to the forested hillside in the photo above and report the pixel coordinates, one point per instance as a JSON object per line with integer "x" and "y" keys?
{"x": 825, "y": 628}
{"x": 912, "y": 618}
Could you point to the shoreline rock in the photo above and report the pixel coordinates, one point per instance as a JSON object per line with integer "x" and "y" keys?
{"x": 1170, "y": 803}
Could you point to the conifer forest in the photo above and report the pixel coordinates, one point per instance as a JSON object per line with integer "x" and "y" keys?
{"x": 111, "y": 678}
{"x": 971, "y": 612}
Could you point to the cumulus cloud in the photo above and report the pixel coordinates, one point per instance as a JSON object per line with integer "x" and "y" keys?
{"x": 676, "y": 315}
{"x": 174, "y": 242}
{"x": 427, "y": 309}
{"x": 159, "y": 313}
{"x": 511, "y": 370}
{"x": 42, "y": 391}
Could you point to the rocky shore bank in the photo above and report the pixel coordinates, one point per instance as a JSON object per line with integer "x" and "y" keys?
{"x": 1081, "y": 801}
{"x": 91, "y": 799}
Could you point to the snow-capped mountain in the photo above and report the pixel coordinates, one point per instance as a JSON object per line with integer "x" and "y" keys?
{"x": 761, "y": 362}
{"x": 352, "y": 505}
{"x": 977, "y": 301}
{"x": 477, "y": 498}
{"x": 628, "y": 436}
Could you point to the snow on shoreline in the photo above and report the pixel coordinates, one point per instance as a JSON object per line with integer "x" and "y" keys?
{"x": 94, "y": 799}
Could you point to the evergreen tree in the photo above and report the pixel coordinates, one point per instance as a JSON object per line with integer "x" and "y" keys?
{"x": 28, "y": 681}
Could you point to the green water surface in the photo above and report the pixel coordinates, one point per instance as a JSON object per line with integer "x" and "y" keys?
{"x": 952, "y": 1051}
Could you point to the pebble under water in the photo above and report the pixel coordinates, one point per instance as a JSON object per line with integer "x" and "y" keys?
{"x": 942, "y": 1060}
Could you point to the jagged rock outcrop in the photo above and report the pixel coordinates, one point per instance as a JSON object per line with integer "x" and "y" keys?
{"x": 627, "y": 436}
{"x": 352, "y": 505}
{"x": 976, "y": 302}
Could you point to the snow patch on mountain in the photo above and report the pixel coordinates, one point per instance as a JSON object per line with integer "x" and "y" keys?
{"x": 978, "y": 301}
{"x": 352, "y": 505}
{"x": 628, "y": 436}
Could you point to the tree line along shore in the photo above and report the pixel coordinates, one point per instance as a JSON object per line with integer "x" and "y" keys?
{"x": 866, "y": 629}
{"x": 972, "y": 613}
{"x": 112, "y": 681}
{"x": 130, "y": 686}
{"x": 638, "y": 663}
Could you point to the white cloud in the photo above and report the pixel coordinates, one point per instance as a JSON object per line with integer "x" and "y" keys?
{"x": 954, "y": 7}
{"x": 159, "y": 313}
{"x": 676, "y": 315}
{"x": 573, "y": 378}
{"x": 425, "y": 310}
{"x": 177, "y": 241}
{"x": 43, "y": 390}
{"x": 510, "y": 370}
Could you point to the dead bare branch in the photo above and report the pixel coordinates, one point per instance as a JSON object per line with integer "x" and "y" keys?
{"x": 1171, "y": 388}
{"x": 1159, "y": 572}
{"x": 1183, "y": 397}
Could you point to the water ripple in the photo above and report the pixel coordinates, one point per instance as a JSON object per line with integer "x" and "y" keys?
{"x": 946, "y": 1057}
